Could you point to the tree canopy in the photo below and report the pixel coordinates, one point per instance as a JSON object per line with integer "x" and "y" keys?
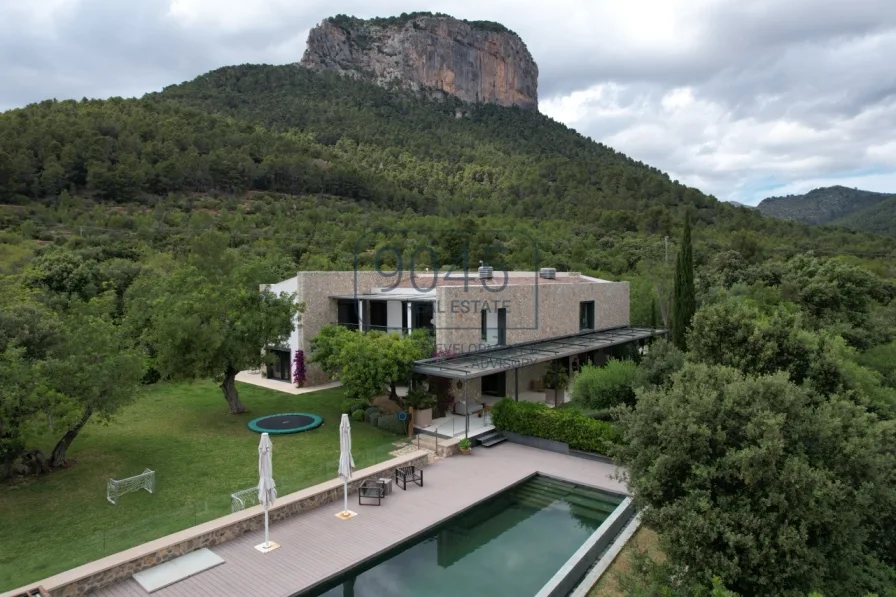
{"x": 764, "y": 483}
{"x": 207, "y": 317}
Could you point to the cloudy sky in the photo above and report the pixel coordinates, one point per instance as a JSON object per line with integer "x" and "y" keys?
{"x": 741, "y": 98}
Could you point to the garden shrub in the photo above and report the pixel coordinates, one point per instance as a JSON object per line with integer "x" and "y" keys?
{"x": 656, "y": 368}
{"x": 371, "y": 413}
{"x": 358, "y": 405}
{"x": 607, "y": 386}
{"x": 347, "y": 407}
{"x": 570, "y": 426}
{"x": 358, "y": 415}
{"x": 392, "y": 423}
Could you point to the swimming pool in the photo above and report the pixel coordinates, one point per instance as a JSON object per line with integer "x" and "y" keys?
{"x": 509, "y": 545}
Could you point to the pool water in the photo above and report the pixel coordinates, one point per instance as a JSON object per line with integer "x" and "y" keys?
{"x": 510, "y": 545}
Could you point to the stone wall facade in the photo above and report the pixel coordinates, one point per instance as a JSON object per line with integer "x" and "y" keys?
{"x": 315, "y": 289}
{"x": 80, "y": 581}
{"x": 534, "y": 312}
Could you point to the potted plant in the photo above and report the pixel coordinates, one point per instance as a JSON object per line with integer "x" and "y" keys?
{"x": 465, "y": 446}
{"x": 422, "y": 402}
{"x": 556, "y": 380}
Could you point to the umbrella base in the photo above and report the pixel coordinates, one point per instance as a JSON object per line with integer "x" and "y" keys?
{"x": 271, "y": 547}
{"x": 346, "y": 515}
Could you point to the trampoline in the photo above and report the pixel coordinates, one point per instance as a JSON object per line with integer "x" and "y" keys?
{"x": 281, "y": 423}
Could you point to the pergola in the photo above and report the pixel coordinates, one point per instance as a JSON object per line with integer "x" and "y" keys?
{"x": 476, "y": 364}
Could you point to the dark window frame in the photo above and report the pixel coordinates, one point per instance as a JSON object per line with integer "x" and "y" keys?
{"x": 586, "y": 315}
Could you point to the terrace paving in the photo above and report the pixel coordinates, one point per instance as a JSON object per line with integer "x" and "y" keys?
{"x": 316, "y": 545}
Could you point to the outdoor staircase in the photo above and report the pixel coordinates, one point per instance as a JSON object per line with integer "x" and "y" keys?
{"x": 491, "y": 438}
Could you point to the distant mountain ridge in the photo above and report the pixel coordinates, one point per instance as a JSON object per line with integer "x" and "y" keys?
{"x": 824, "y": 205}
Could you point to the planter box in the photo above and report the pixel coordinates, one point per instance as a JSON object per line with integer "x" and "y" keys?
{"x": 423, "y": 418}
{"x": 537, "y": 442}
{"x": 554, "y": 397}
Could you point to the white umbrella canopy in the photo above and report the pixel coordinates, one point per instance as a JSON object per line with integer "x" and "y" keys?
{"x": 267, "y": 489}
{"x": 346, "y": 462}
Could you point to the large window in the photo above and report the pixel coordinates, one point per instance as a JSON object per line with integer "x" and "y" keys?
{"x": 586, "y": 315}
{"x": 379, "y": 316}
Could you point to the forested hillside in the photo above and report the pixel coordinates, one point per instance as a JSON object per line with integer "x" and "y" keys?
{"x": 880, "y": 218}
{"x": 320, "y": 147}
{"x": 141, "y": 229}
{"x": 826, "y": 205}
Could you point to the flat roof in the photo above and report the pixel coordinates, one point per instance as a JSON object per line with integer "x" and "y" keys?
{"x": 421, "y": 297}
{"x": 470, "y": 365}
{"x": 499, "y": 279}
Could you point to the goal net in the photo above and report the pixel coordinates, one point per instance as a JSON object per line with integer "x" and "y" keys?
{"x": 240, "y": 500}
{"x": 118, "y": 487}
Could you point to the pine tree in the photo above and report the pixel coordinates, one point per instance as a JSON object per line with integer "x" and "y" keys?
{"x": 684, "y": 300}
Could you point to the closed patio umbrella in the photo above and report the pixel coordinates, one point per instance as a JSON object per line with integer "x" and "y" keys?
{"x": 346, "y": 462}
{"x": 267, "y": 489}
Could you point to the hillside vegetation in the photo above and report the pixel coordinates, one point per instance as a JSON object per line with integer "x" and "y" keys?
{"x": 880, "y": 218}
{"x": 827, "y": 205}
{"x": 137, "y": 232}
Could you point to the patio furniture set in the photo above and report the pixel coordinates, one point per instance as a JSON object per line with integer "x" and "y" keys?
{"x": 374, "y": 490}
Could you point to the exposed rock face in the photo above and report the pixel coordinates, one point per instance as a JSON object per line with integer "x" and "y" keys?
{"x": 477, "y": 62}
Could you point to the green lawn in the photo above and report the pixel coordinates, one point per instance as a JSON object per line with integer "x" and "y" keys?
{"x": 200, "y": 454}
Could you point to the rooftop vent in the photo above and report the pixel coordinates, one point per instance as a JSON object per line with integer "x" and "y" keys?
{"x": 486, "y": 272}
{"x": 548, "y": 273}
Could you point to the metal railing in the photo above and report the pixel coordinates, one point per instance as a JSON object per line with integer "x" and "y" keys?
{"x": 454, "y": 422}
{"x": 382, "y": 328}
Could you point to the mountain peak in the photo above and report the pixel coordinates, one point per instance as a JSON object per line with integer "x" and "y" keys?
{"x": 475, "y": 61}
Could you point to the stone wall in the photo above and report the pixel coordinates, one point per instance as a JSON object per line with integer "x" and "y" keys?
{"x": 316, "y": 288}
{"x": 80, "y": 581}
{"x": 533, "y": 312}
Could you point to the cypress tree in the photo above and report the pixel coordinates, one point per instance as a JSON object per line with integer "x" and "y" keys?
{"x": 684, "y": 295}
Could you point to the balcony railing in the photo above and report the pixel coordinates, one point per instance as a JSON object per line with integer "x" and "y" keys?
{"x": 382, "y": 328}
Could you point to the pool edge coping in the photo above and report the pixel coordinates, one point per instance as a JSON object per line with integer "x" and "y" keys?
{"x": 572, "y": 572}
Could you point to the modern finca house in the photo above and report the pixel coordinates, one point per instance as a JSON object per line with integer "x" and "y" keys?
{"x": 502, "y": 331}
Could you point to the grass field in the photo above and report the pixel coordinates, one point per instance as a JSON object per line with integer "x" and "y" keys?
{"x": 200, "y": 454}
{"x": 644, "y": 540}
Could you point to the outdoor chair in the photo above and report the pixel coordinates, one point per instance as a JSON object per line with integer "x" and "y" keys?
{"x": 370, "y": 491}
{"x": 403, "y": 474}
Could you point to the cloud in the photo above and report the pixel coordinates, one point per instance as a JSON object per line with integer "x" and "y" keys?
{"x": 741, "y": 98}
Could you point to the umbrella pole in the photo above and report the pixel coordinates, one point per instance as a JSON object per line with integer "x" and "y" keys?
{"x": 345, "y": 495}
{"x": 267, "y": 542}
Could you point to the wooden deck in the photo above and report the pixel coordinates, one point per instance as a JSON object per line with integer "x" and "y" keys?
{"x": 317, "y": 545}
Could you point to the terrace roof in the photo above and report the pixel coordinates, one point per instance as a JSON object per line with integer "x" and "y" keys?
{"x": 470, "y": 365}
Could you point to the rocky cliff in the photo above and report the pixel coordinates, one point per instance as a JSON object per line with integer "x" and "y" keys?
{"x": 476, "y": 61}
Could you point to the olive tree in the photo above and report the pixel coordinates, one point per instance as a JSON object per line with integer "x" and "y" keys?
{"x": 763, "y": 483}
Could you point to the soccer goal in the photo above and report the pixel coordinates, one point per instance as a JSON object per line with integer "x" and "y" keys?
{"x": 240, "y": 500}
{"x": 118, "y": 487}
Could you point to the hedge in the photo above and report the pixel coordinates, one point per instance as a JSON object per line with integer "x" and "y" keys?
{"x": 569, "y": 426}
{"x": 607, "y": 386}
{"x": 392, "y": 423}
{"x": 371, "y": 415}
{"x": 349, "y": 406}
